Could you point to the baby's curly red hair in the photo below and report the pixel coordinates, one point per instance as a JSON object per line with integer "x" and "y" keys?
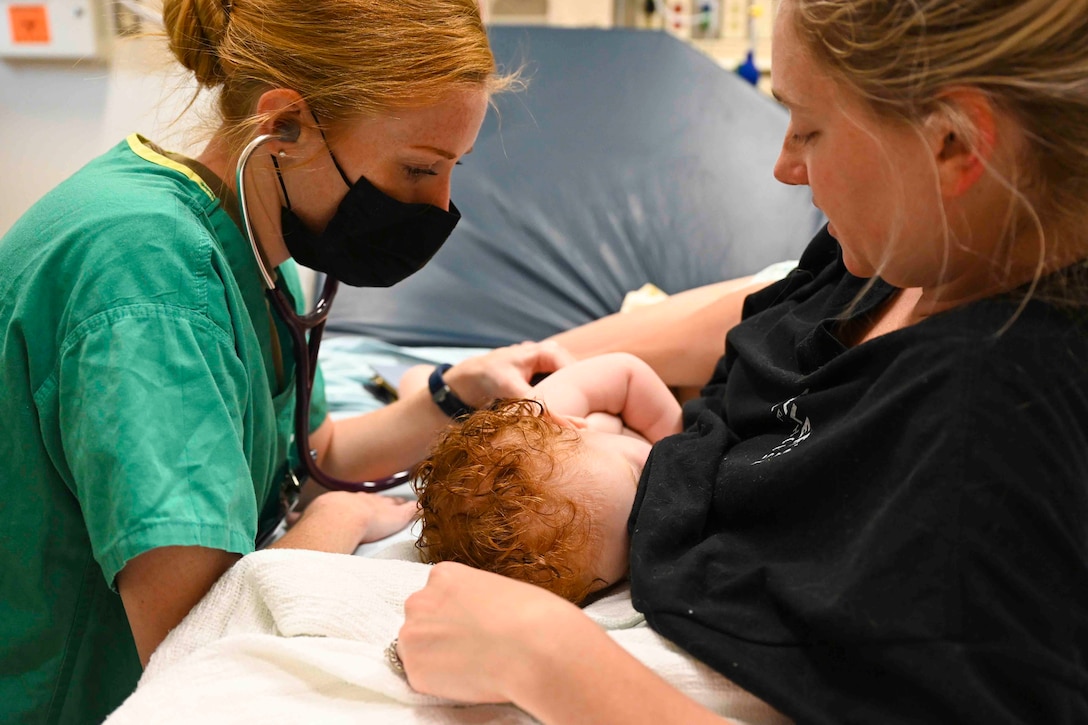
{"x": 486, "y": 499}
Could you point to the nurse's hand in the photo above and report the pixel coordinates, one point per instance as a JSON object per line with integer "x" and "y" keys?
{"x": 506, "y": 372}
{"x": 339, "y": 521}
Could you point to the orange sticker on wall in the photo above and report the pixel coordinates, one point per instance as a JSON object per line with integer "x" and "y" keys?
{"x": 29, "y": 24}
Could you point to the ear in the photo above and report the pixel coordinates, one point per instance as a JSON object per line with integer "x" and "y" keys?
{"x": 962, "y": 134}
{"x": 282, "y": 111}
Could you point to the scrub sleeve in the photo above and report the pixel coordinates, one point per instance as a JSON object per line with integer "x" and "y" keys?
{"x": 140, "y": 378}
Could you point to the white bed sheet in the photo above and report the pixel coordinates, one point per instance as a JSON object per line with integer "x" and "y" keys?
{"x": 299, "y": 636}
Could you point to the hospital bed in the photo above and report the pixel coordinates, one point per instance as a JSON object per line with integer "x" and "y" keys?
{"x": 628, "y": 159}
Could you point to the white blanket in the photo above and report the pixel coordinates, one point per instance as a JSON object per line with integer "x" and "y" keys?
{"x": 298, "y": 636}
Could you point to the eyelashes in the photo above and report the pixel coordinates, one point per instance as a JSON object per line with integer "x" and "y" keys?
{"x": 416, "y": 172}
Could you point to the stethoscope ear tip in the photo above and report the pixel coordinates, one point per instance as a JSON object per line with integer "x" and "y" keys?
{"x": 287, "y": 131}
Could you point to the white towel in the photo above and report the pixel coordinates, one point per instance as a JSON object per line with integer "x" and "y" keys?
{"x": 292, "y": 636}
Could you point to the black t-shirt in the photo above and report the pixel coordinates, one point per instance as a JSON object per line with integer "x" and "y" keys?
{"x": 893, "y": 532}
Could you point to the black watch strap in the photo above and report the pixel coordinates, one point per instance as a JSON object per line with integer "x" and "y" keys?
{"x": 446, "y": 400}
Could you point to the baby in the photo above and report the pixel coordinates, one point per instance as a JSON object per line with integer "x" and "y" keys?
{"x": 540, "y": 489}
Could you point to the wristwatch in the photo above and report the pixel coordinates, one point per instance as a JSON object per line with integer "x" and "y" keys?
{"x": 446, "y": 400}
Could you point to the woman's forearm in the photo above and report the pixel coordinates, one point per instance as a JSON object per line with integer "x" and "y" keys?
{"x": 681, "y": 337}
{"x": 581, "y": 675}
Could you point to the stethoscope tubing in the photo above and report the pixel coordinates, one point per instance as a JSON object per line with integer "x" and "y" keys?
{"x": 305, "y": 352}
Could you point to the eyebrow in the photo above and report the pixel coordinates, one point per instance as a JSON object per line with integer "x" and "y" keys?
{"x": 440, "y": 152}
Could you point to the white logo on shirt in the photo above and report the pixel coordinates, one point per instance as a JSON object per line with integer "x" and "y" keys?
{"x": 802, "y": 428}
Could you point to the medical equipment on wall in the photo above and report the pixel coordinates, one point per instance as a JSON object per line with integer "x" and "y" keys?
{"x": 305, "y": 351}
{"x": 748, "y": 70}
{"x": 692, "y": 19}
{"x": 54, "y": 30}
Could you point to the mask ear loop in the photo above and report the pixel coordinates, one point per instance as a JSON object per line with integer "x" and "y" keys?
{"x": 279, "y": 177}
{"x": 332, "y": 156}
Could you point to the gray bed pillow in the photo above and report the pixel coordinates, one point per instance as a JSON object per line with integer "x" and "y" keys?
{"x": 629, "y": 158}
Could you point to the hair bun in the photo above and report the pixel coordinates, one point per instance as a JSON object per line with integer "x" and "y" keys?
{"x": 195, "y": 28}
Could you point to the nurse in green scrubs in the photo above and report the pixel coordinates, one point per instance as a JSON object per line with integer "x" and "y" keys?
{"x": 148, "y": 395}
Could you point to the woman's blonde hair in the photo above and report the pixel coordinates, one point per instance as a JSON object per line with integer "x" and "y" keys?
{"x": 346, "y": 58}
{"x": 1030, "y": 57}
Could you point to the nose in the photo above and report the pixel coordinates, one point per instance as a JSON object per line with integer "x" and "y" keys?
{"x": 439, "y": 194}
{"x": 790, "y": 168}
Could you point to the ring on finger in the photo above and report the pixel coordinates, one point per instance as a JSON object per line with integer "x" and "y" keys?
{"x": 393, "y": 658}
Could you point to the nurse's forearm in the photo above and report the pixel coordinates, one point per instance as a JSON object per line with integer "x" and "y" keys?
{"x": 398, "y": 436}
{"x": 382, "y": 442}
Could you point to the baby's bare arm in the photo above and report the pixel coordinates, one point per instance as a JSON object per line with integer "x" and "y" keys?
{"x": 617, "y": 383}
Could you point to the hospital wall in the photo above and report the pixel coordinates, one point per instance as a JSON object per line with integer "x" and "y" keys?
{"x": 56, "y": 116}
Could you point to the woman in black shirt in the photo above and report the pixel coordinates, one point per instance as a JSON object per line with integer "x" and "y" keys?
{"x": 878, "y": 511}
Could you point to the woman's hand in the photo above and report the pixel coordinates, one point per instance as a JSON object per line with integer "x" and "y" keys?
{"x": 506, "y": 372}
{"x": 474, "y": 636}
{"x": 339, "y": 521}
{"x": 478, "y": 637}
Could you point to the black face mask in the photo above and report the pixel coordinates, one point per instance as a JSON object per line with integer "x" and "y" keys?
{"x": 372, "y": 240}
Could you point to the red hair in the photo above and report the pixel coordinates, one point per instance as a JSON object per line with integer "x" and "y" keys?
{"x": 487, "y": 501}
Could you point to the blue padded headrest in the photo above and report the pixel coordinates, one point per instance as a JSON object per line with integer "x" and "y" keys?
{"x": 629, "y": 158}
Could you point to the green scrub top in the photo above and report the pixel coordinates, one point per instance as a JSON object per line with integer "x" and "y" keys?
{"x": 141, "y": 408}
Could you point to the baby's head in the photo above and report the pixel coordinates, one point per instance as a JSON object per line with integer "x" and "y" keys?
{"x": 511, "y": 490}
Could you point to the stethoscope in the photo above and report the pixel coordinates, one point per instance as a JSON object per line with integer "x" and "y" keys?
{"x": 304, "y": 351}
